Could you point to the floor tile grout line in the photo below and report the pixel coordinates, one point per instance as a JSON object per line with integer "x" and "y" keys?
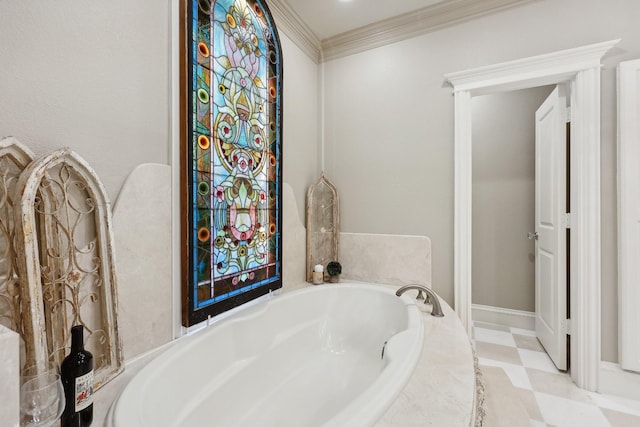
{"x": 591, "y": 403}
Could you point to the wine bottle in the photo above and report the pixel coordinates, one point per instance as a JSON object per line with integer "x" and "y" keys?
{"x": 76, "y": 372}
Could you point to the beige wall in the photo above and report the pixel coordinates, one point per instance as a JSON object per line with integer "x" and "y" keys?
{"x": 389, "y": 123}
{"x": 91, "y": 75}
{"x": 504, "y": 198}
{"x": 301, "y": 136}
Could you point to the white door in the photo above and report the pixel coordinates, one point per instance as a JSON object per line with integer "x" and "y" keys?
{"x": 550, "y": 224}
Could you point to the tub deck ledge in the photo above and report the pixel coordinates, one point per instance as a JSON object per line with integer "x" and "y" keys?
{"x": 442, "y": 389}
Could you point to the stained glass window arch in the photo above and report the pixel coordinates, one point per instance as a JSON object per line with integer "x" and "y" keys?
{"x": 231, "y": 155}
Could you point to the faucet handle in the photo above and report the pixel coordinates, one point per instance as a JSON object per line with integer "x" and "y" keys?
{"x": 428, "y": 299}
{"x": 431, "y": 297}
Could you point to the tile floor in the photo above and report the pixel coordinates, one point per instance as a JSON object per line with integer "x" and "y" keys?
{"x": 523, "y": 387}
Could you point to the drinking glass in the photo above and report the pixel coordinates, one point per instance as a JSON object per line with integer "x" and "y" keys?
{"x": 41, "y": 399}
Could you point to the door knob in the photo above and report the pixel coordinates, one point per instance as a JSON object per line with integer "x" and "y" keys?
{"x": 533, "y": 235}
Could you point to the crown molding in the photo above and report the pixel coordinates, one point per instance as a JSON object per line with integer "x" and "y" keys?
{"x": 292, "y": 25}
{"x": 514, "y": 75}
{"x": 412, "y": 24}
{"x": 402, "y": 27}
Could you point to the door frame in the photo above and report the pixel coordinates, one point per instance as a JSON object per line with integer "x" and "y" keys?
{"x": 580, "y": 67}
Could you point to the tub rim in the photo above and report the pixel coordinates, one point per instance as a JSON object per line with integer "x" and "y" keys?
{"x": 368, "y": 406}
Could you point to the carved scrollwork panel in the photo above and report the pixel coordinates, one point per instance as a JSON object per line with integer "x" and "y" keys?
{"x": 65, "y": 233}
{"x": 14, "y": 158}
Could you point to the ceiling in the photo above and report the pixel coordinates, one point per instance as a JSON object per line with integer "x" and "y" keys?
{"x": 329, "y": 29}
{"x": 327, "y": 18}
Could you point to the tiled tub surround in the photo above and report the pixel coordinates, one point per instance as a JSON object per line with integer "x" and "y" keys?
{"x": 384, "y": 258}
{"x": 523, "y": 387}
{"x": 142, "y": 229}
{"x": 440, "y": 391}
{"x": 305, "y": 358}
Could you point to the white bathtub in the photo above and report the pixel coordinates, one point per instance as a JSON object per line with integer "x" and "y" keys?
{"x": 312, "y": 357}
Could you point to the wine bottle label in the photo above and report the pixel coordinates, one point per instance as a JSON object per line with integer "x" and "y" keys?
{"x": 84, "y": 391}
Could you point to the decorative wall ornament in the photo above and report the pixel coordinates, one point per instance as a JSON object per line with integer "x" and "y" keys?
{"x": 231, "y": 132}
{"x": 323, "y": 224}
{"x": 67, "y": 264}
{"x": 14, "y": 158}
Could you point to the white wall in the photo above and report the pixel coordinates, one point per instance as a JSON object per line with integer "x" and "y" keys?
{"x": 504, "y": 198}
{"x": 389, "y": 123}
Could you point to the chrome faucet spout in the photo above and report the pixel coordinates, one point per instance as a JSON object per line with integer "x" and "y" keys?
{"x": 431, "y": 298}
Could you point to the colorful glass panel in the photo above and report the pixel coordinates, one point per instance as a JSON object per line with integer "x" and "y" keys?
{"x": 233, "y": 155}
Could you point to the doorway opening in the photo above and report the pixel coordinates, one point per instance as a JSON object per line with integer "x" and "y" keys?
{"x": 507, "y": 129}
{"x": 581, "y": 68}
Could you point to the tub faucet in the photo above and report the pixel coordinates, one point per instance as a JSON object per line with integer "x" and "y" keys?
{"x": 431, "y": 298}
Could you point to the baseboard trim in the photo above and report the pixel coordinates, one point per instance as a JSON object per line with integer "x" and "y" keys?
{"x": 503, "y": 316}
{"x": 615, "y": 380}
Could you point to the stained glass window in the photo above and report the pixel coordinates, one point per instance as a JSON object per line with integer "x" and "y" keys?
{"x": 231, "y": 153}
